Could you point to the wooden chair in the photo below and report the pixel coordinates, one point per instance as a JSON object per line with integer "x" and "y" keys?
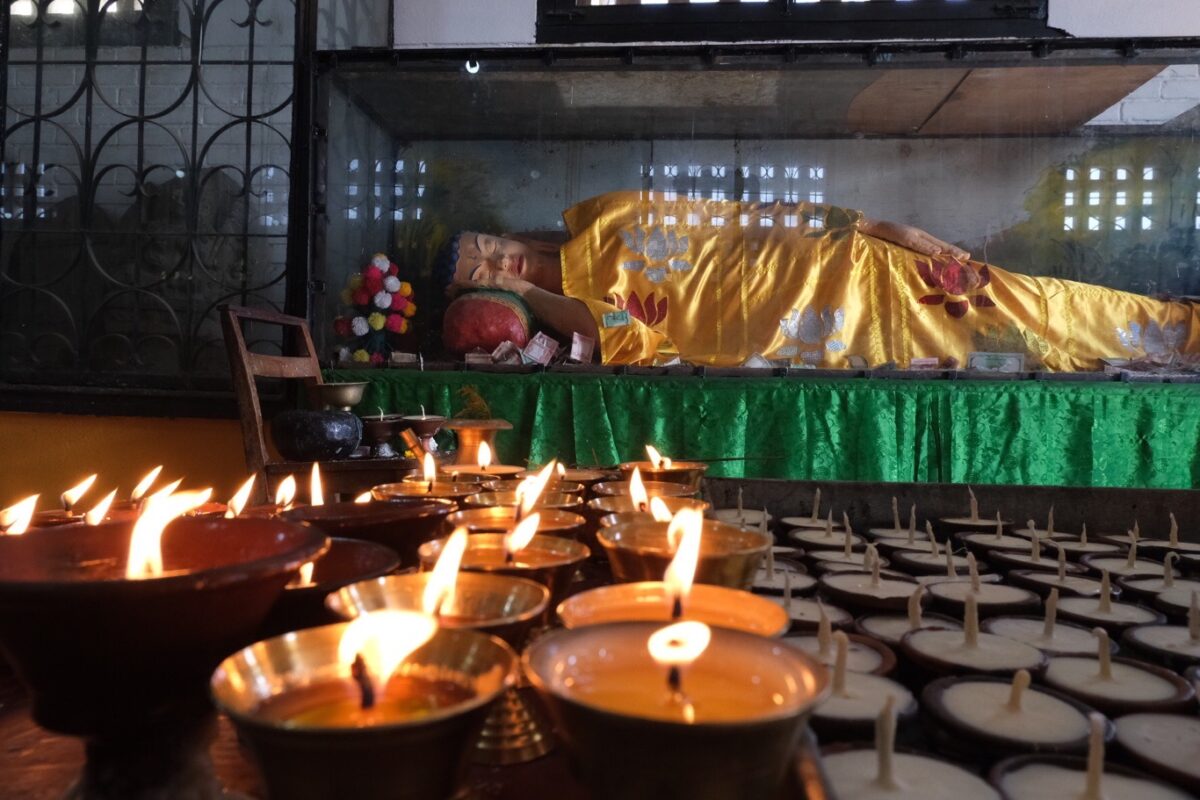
{"x": 347, "y": 477}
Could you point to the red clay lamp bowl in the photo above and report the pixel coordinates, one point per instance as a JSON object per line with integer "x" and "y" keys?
{"x": 400, "y": 525}
{"x": 302, "y": 605}
{"x": 124, "y": 663}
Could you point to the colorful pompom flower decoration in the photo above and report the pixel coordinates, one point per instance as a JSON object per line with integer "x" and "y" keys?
{"x": 380, "y": 308}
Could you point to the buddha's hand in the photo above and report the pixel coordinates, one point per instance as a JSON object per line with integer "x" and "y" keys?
{"x": 911, "y": 238}
{"x": 493, "y": 280}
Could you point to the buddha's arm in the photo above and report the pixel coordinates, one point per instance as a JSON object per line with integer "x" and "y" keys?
{"x": 565, "y": 315}
{"x": 912, "y": 238}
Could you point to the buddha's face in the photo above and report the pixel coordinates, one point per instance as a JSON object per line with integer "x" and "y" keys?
{"x": 481, "y": 255}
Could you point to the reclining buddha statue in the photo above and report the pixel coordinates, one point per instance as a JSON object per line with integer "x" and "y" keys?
{"x": 712, "y": 282}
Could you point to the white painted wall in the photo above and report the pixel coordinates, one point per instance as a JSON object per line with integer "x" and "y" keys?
{"x": 464, "y": 23}
{"x": 1125, "y": 17}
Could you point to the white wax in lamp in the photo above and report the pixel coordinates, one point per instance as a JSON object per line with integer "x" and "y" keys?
{"x": 823, "y": 535}
{"x": 1184, "y": 640}
{"x": 1038, "y": 781}
{"x": 883, "y": 774}
{"x": 802, "y": 610}
{"x": 1046, "y": 635}
{"x": 1167, "y": 581}
{"x": 998, "y": 540}
{"x": 897, "y": 531}
{"x": 1103, "y": 609}
{"x": 933, "y": 554}
{"x": 983, "y": 593}
{"x": 767, "y": 579}
{"x": 1014, "y": 711}
{"x": 1104, "y": 679}
{"x": 872, "y": 585}
{"x": 1073, "y": 583}
{"x": 1172, "y": 740}
{"x": 728, "y": 681}
{"x": 1173, "y": 541}
{"x": 855, "y": 695}
{"x": 859, "y": 657}
{"x": 972, "y": 649}
{"x": 1129, "y": 565}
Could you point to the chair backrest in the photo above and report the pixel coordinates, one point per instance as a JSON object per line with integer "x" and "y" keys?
{"x": 247, "y": 366}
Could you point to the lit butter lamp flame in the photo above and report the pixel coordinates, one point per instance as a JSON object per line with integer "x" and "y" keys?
{"x": 520, "y": 536}
{"x": 285, "y": 493}
{"x": 165, "y": 491}
{"x": 561, "y": 472}
{"x": 240, "y": 498}
{"x": 659, "y": 510}
{"x": 143, "y": 486}
{"x": 657, "y": 460}
{"x": 71, "y": 496}
{"x": 637, "y": 492}
{"x": 485, "y": 456}
{"x": 530, "y": 490}
{"x": 15, "y": 519}
{"x": 376, "y": 644}
{"x": 683, "y": 534}
{"x": 100, "y": 510}
{"x": 429, "y": 468}
{"x": 145, "y": 545}
{"x": 316, "y": 493}
{"x": 304, "y": 579}
{"x": 442, "y": 579}
{"x": 363, "y": 498}
{"x": 676, "y": 647}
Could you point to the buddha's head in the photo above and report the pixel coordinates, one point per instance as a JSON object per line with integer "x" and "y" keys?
{"x": 474, "y": 255}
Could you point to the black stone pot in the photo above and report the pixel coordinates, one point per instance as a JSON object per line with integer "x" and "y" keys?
{"x": 301, "y": 435}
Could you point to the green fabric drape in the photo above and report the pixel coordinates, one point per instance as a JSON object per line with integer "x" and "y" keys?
{"x": 1018, "y": 432}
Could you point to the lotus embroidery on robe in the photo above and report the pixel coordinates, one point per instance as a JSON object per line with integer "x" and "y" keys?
{"x": 661, "y": 252}
{"x": 815, "y": 330}
{"x": 957, "y": 282}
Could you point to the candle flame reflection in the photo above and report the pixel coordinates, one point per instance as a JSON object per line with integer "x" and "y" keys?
{"x": 363, "y": 498}
{"x": 305, "y": 576}
{"x": 15, "y": 519}
{"x": 637, "y": 491}
{"x": 145, "y": 545}
{"x": 429, "y": 469}
{"x": 285, "y": 493}
{"x": 316, "y": 494}
{"x": 71, "y": 496}
{"x": 440, "y": 587}
{"x": 145, "y": 483}
{"x": 658, "y": 508}
{"x": 485, "y": 455}
{"x": 381, "y": 640}
{"x": 519, "y": 537}
{"x": 240, "y": 498}
{"x": 675, "y": 647}
{"x": 656, "y": 460}
{"x": 100, "y": 510}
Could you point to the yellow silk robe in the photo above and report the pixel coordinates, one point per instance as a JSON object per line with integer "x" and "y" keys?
{"x": 714, "y": 281}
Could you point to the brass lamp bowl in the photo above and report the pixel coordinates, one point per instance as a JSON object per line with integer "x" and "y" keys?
{"x": 653, "y": 489}
{"x": 608, "y": 510}
{"x": 339, "y": 395}
{"x": 587, "y": 477}
{"x": 553, "y": 500}
{"x": 689, "y": 473}
{"x": 512, "y": 484}
{"x": 640, "y": 551}
{"x": 500, "y": 605}
{"x": 400, "y": 525}
{"x": 422, "y": 758}
{"x": 425, "y": 427}
{"x": 649, "y": 601}
{"x": 410, "y": 489}
{"x": 501, "y": 519}
{"x": 550, "y": 560}
{"x": 631, "y": 745}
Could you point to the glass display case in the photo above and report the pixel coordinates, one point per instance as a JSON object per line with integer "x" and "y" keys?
{"x": 1079, "y": 165}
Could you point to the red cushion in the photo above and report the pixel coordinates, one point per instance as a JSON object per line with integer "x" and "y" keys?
{"x": 483, "y": 320}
